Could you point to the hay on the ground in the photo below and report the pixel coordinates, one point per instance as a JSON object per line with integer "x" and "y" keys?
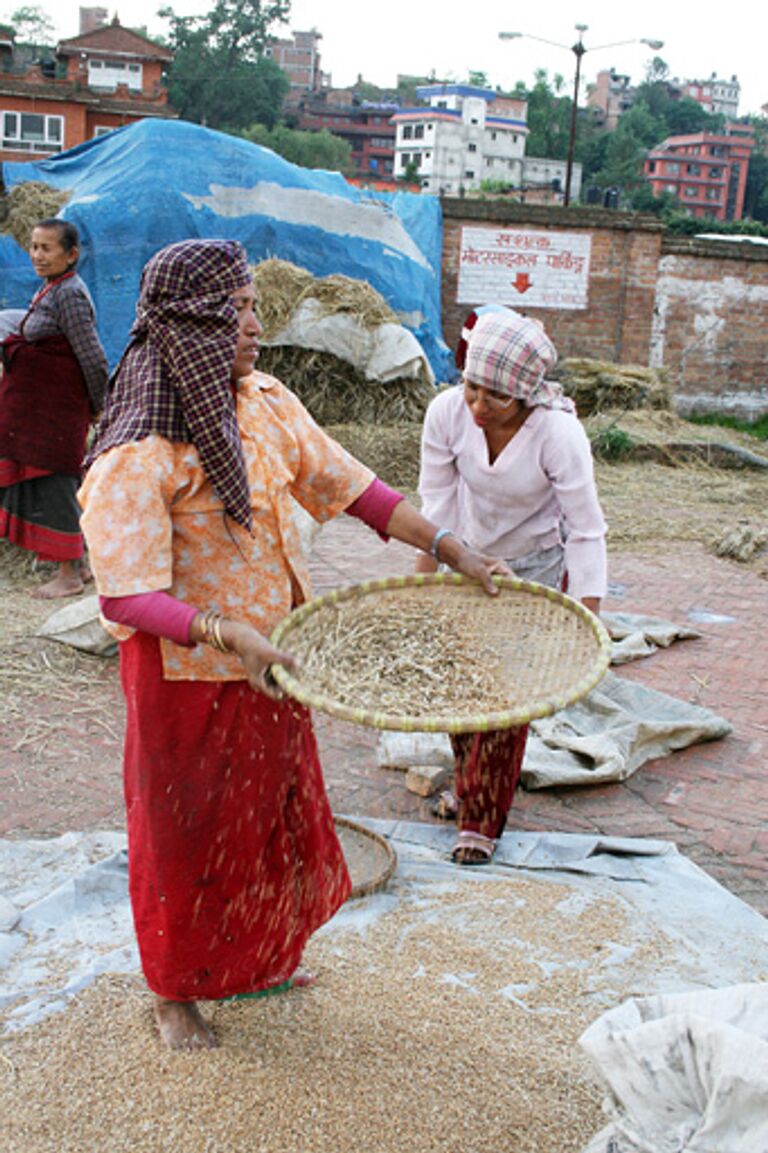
{"x": 337, "y": 393}
{"x": 596, "y": 385}
{"x": 26, "y": 205}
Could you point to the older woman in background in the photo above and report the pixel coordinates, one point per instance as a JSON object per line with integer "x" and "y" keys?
{"x": 53, "y": 382}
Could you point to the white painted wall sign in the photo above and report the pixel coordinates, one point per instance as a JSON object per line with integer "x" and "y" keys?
{"x": 523, "y": 268}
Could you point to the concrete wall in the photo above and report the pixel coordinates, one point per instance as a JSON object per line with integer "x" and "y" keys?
{"x": 697, "y": 308}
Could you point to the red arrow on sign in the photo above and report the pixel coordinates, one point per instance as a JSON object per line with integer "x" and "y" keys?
{"x": 522, "y": 282}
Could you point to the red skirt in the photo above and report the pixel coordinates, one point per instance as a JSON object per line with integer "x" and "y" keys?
{"x": 39, "y": 511}
{"x": 232, "y": 852}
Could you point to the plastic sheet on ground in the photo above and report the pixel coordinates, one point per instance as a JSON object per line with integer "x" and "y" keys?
{"x": 606, "y": 736}
{"x": 635, "y": 635}
{"x": 66, "y": 915}
{"x": 685, "y": 1073}
{"x": 611, "y": 732}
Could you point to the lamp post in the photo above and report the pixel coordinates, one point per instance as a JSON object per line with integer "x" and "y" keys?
{"x": 578, "y": 49}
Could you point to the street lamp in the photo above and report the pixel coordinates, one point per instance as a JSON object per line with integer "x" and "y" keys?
{"x": 578, "y": 49}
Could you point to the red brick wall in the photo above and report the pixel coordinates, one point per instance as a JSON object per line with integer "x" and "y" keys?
{"x": 711, "y": 325}
{"x": 697, "y": 308}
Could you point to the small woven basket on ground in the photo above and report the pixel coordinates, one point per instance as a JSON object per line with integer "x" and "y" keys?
{"x": 436, "y": 653}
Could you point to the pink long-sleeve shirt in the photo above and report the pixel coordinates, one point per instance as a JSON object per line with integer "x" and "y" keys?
{"x": 515, "y": 506}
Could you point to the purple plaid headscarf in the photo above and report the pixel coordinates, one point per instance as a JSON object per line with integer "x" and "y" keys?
{"x": 174, "y": 376}
{"x": 507, "y": 352}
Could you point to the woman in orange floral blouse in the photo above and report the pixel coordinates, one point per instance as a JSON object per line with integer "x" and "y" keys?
{"x": 233, "y": 857}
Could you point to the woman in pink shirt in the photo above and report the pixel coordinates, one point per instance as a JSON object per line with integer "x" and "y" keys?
{"x": 507, "y": 467}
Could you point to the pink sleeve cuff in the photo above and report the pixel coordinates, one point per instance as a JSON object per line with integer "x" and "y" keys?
{"x": 374, "y": 506}
{"x": 157, "y": 613}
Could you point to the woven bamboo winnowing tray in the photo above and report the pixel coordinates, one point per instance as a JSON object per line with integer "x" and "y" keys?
{"x": 436, "y": 653}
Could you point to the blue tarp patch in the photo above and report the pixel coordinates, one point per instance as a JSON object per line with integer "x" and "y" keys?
{"x": 157, "y": 181}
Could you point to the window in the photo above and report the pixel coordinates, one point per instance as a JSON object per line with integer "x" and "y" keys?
{"x": 471, "y": 148}
{"x": 673, "y": 168}
{"x": 693, "y": 169}
{"x": 713, "y": 194}
{"x": 691, "y": 192}
{"x": 32, "y": 132}
{"x": 102, "y": 129}
{"x": 407, "y": 132}
{"x": 715, "y": 173}
{"x": 107, "y": 74}
{"x": 405, "y": 159}
{"x": 418, "y": 132}
{"x": 469, "y": 175}
{"x": 671, "y": 188}
{"x": 651, "y": 165}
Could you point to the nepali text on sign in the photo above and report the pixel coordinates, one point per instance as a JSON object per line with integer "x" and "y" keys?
{"x": 519, "y": 267}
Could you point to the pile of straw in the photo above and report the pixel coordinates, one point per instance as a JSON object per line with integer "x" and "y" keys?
{"x": 337, "y": 393}
{"x": 597, "y": 385}
{"x": 281, "y": 287}
{"x": 392, "y": 452}
{"x": 334, "y": 390}
{"x": 26, "y": 205}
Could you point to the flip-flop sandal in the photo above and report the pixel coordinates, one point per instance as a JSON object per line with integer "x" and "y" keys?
{"x": 300, "y": 980}
{"x": 446, "y": 807}
{"x": 467, "y": 841}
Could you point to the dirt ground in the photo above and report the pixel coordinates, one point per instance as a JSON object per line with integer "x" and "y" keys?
{"x": 62, "y": 709}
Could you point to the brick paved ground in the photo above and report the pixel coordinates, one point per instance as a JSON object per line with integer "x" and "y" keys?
{"x": 711, "y": 800}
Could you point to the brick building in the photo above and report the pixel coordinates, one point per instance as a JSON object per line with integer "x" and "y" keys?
{"x": 299, "y": 58}
{"x": 97, "y": 81}
{"x": 365, "y": 125}
{"x": 609, "y": 97}
{"x": 705, "y": 171}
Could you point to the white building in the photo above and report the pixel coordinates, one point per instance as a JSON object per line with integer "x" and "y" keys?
{"x": 715, "y": 96}
{"x": 461, "y": 137}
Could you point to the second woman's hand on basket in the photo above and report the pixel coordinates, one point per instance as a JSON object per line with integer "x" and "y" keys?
{"x": 440, "y": 546}
{"x": 471, "y": 564}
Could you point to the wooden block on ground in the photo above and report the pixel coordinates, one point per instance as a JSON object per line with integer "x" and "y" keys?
{"x": 426, "y": 779}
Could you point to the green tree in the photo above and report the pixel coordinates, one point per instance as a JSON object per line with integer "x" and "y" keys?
{"x": 220, "y": 75}
{"x": 32, "y": 25}
{"x": 549, "y": 119}
{"x": 308, "y": 149}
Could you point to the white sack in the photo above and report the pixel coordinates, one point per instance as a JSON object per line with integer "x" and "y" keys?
{"x": 684, "y": 1073}
{"x": 386, "y": 352}
{"x": 79, "y": 625}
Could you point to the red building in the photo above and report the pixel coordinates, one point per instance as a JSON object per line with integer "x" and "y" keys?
{"x": 98, "y": 81}
{"x": 706, "y": 172}
{"x": 364, "y": 125}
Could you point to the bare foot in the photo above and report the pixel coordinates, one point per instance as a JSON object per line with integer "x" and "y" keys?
{"x": 86, "y": 576}
{"x": 182, "y": 1026}
{"x": 66, "y": 583}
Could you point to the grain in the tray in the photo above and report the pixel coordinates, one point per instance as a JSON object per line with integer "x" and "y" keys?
{"x": 442, "y": 651}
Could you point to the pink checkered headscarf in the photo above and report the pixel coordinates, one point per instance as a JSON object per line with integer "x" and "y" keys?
{"x": 510, "y": 353}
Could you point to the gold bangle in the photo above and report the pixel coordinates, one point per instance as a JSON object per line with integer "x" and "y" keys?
{"x": 211, "y": 628}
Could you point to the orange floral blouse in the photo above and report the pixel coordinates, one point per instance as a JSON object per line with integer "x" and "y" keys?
{"x": 153, "y": 522}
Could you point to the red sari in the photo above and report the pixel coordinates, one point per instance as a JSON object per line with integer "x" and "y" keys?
{"x": 233, "y": 857}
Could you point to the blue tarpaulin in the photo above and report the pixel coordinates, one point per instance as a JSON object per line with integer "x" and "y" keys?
{"x": 157, "y": 181}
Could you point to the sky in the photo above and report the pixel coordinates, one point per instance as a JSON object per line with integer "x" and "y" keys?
{"x": 417, "y": 37}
